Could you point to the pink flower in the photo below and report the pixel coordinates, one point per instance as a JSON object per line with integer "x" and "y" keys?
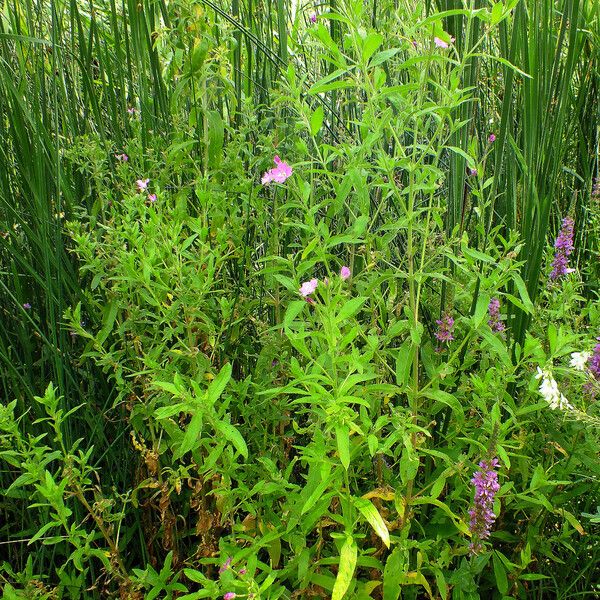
{"x": 122, "y": 157}
{"x": 131, "y": 110}
{"x": 308, "y": 287}
{"x": 26, "y": 306}
{"x": 142, "y": 184}
{"x": 152, "y": 197}
{"x": 312, "y": 17}
{"x": 441, "y": 43}
{"x": 225, "y": 565}
{"x": 278, "y": 174}
{"x": 472, "y": 172}
{"x": 229, "y": 596}
{"x": 492, "y": 138}
{"x": 345, "y": 273}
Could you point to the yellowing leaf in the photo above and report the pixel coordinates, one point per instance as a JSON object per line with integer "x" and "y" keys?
{"x": 371, "y": 514}
{"x": 348, "y": 558}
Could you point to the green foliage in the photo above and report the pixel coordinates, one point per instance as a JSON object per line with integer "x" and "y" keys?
{"x": 210, "y": 430}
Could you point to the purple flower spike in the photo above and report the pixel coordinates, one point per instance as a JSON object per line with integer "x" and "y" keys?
{"x": 482, "y": 514}
{"x": 594, "y": 361}
{"x": 445, "y": 325}
{"x": 564, "y": 248}
{"x": 494, "y": 321}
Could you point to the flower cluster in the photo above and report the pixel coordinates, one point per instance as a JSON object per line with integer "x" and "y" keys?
{"x": 440, "y": 43}
{"x": 564, "y": 247}
{"x": 482, "y": 514}
{"x": 579, "y": 360}
{"x": 444, "y": 333}
{"x": 309, "y": 287}
{"x": 549, "y": 389}
{"x": 494, "y": 321}
{"x": 594, "y": 361}
{"x": 593, "y": 365}
{"x": 142, "y": 184}
{"x": 278, "y": 174}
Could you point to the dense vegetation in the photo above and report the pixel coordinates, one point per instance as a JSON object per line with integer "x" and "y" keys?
{"x": 300, "y": 301}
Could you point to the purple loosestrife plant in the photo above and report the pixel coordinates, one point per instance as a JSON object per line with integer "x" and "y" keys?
{"x": 444, "y": 333}
{"x": 482, "y": 514}
{"x": 594, "y": 361}
{"x": 593, "y": 364}
{"x": 494, "y": 321}
{"x": 564, "y": 247}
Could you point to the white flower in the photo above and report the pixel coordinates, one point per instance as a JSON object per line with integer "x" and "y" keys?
{"x": 579, "y": 360}
{"x": 549, "y": 389}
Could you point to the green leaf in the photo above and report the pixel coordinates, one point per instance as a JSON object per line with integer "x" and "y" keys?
{"x": 533, "y": 577}
{"x": 164, "y": 412}
{"x": 523, "y": 293}
{"x": 448, "y": 400}
{"x": 496, "y": 345}
{"x": 350, "y": 308}
{"x": 168, "y": 387}
{"x": 384, "y": 55}
{"x": 393, "y": 573}
{"x": 316, "y": 120}
{"x": 500, "y": 574}
{"x": 342, "y": 437}
{"x": 371, "y": 514}
{"x": 191, "y": 437}
{"x": 293, "y": 310}
{"x": 373, "y": 444}
{"x": 108, "y": 320}
{"x": 216, "y": 135}
{"x": 458, "y": 522}
{"x": 234, "y": 436}
{"x": 217, "y": 387}
{"x": 404, "y": 360}
{"x": 371, "y": 44}
{"x": 409, "y": 465}
{"x": 348, "y": 558}
{"x": 481, "y": 310}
